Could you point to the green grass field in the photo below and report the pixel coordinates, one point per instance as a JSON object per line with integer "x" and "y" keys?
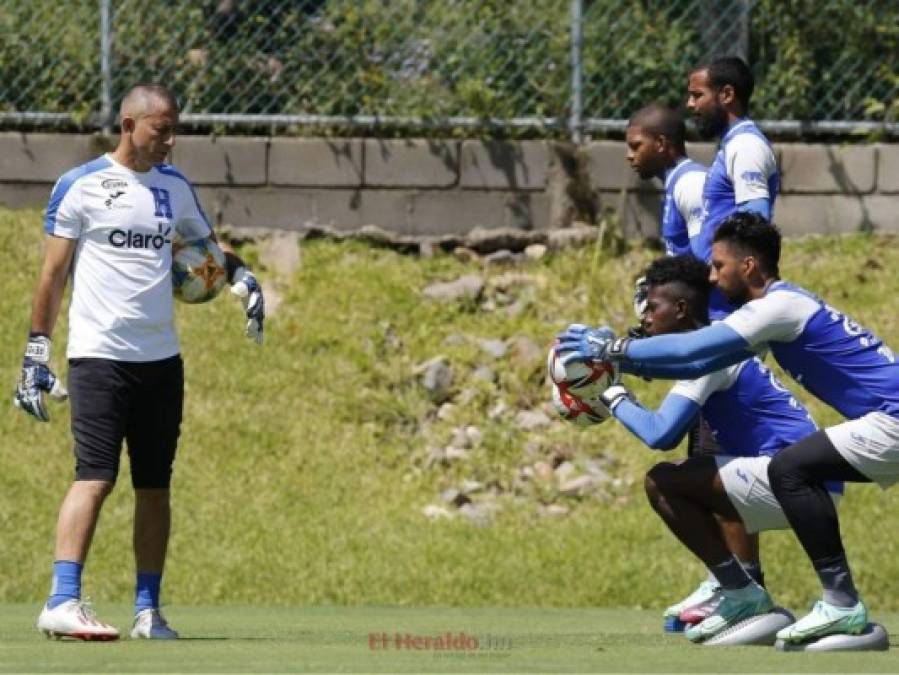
{"x": 337, "y": 639}
{"x": 301, "y": 474}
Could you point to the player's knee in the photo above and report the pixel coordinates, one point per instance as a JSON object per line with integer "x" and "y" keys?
{"x": 785, "y": 471}
{"x": 656, "y": 481}
{"x": 94, "y": 488}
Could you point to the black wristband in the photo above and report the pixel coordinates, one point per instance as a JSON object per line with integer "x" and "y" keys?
{"x": 618, "y": 349}
{"x": 36, "y": 334}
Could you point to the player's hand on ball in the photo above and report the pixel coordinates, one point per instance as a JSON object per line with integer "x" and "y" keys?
{"x": 247, "y": 288}
{"x": 614, "y": 395}
{"x": 581, "y": 343}
{"x": 37, "y": 379}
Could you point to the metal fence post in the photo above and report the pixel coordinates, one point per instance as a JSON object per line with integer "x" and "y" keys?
{"x": 744, "y": 7}
{"x": 577, "y": 75}
{"x": 105, "y": 67}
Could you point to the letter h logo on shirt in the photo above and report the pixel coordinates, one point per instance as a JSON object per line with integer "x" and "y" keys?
{"x": 163, "y": 202}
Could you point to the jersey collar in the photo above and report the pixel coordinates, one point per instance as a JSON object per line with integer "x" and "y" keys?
{"x": 732, "y": 130}
{"x": 669, "y": 174}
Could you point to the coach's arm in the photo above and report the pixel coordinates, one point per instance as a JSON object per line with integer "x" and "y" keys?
{"x": 58, "y": 254}
{"x": 37, "y": 379}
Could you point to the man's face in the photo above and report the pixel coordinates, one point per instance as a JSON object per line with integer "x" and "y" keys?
{"x": 666, "y": 311}
{"x": 729, "y": 272}
{"x": 703, "y": 101}
{"x": 153, "y": 134}
{"x": 644, "y": 153}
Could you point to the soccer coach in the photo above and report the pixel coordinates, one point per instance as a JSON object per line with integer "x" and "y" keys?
{"x": 110, "y": 223}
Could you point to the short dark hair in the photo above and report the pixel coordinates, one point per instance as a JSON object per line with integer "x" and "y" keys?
{"x": 691, "y": 273}
{"x": 660, "y": 120}
{"x": 732, "y": 70}
{"x": 754, "y": 236}
{"x": 144, "y": 90}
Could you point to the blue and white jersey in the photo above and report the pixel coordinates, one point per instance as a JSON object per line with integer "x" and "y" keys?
{"x": 682, "y": 206}
{"x": 124, "y": 223}
{"x": 744, "y": 169}
{"x": 748, "y": 410}
{"x": 829, "y": 354}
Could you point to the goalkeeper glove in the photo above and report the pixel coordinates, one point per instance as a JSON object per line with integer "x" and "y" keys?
{"x": 614, "y": 395}
{"x": 247, "y": 288}
{"x": 581, "y": 343}
{"x": 37, "y": 378}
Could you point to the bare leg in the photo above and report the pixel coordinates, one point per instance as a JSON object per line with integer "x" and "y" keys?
{"x": 688, "y": 497}
{"x": 743, "y": 545}
{"x": 78, "y": 516}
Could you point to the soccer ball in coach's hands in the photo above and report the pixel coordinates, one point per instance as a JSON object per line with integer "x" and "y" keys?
{"x": 576, "y": 410}
{"x": 586, "y": 380}
{"x": 198, "y": 271}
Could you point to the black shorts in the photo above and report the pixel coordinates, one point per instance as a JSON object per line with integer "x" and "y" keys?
{"x": 140, "y": 403}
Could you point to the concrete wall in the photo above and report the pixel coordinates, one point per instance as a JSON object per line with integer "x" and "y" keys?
{"x": 429, "y": 187}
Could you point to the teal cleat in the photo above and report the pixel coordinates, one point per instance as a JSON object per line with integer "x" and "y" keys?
{"x": 735, "y": 606}
{"x": 826, "y": 619}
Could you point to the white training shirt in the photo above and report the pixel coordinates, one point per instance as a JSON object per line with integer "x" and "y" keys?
{"x": 688, "y": 197}
{"x": 750, "y": 163}
{"x": 125, "y": 223}
{"x": 700, "y": 389}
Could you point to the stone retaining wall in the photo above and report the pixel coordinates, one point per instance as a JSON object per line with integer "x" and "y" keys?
{"x": 436, "y": 187}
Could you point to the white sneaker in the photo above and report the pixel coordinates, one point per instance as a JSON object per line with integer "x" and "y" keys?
{"x": 707, "y": 591}
{"x": 74, "y": 619}
{"x": 150, "y": 624}
{"x": 826, "y": 619}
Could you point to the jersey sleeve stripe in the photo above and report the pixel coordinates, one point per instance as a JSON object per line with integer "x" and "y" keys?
{"x": 64, "y": 184}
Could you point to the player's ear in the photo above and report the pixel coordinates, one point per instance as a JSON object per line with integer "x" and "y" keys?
{"x": 127, "y": 124}
{"x": 661, "y": 142}
{"x": 726, "y": 95}
{"x": 750, "y": 265}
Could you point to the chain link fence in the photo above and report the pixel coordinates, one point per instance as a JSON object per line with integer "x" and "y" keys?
{"x": 546, "y": 67}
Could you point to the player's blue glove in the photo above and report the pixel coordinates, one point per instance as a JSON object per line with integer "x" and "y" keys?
{"x": 582, "y": 343}
{"x": 247, "y": 288}
{"x": 37, "y": 378}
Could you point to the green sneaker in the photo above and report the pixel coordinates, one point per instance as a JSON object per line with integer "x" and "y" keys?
{"x": 826, "y": 619}
{"x": 733, "y": 608}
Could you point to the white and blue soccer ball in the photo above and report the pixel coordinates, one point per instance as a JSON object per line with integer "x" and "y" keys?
{"x": 574, "y": 409}
{"x": 198, "y": 271}
{"x": 584, "y": 380}
{"x": 577, "y": 386}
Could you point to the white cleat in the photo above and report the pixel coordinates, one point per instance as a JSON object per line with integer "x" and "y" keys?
{"x": 150, "y": 624}
{"x": 708, "y": 590}
{"x": 74, "y": 619}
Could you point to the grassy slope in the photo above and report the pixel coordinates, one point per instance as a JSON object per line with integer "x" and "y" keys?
{"x": 300, "y": 477}
{"x": 336, "y": 639}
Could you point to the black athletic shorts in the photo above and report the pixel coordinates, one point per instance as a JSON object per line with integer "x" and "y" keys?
{"x": 139, "y": 403}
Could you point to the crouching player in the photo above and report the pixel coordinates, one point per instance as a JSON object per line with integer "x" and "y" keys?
{"x": 832, "y": 356}
{"x": 752, "y": 417}
{"x": 655, "y": 142}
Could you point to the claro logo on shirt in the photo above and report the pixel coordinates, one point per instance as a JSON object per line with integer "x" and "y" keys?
{"x": 132, "y": 239}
